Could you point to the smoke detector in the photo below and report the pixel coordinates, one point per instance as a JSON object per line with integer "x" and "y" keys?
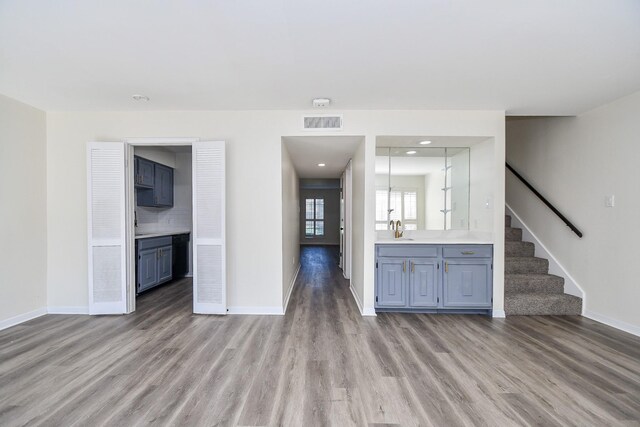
{"x": 140, "y": 97}
{"x": 321, "y": 102}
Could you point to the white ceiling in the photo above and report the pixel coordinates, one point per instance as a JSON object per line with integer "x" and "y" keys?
{"x": 334, "y": 151}
{"x": 542, "y": 57}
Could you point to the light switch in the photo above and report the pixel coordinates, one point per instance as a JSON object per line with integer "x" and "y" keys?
{"x": 610, "y": 201}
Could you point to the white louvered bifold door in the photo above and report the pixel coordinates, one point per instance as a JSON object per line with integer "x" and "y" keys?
{"x": 106, "y": 231}
{"x": 209, "y": 258}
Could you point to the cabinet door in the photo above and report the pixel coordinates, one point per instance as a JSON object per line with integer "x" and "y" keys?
{"x": 467, "y": 284}
{"x": 391, "y": 282}
{"x": 163, "y": 185}
{"x": 423, "y": 283}
{"x": 144, "y": 173}
{"x": 165, "y": 259}
{"x": 147, "y": 269}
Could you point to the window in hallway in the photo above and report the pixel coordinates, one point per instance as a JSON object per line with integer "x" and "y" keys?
{"x": 314, "y": 217}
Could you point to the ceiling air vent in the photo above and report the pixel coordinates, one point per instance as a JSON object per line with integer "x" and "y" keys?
{"x": 322, "y": 122}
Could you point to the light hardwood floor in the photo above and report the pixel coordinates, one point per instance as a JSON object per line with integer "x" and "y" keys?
{"x": 321, "y": 364}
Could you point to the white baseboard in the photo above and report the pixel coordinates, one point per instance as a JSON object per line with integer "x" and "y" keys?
{"x": 571, "y": 286}
{"x": 257, "y": 311}
{"x": 68, "y": 310}
{"x": 499, "y": 314}
{"x": 618, "y": 324}
{"x": 21, "y": 318}
{"x": 369, "y": 312}
{"x": 355, "y": 297}
{"x": 292, "y": 284}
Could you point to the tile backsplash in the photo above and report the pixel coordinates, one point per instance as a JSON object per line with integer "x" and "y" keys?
{"x": 152, "y": 220}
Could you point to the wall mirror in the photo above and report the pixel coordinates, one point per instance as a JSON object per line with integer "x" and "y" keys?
{"x": 424, "y": 188}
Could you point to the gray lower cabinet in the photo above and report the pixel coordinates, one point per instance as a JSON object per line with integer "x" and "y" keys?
{"x": 433, "y": 278}
{"x": 154, "y": 263}
{"x": 392, "y": 290}
{"x": 466, "y": 283}
{"x": 423, "y": 283}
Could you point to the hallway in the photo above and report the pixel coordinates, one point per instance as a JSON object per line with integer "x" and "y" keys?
{"x": 320, "y": 364}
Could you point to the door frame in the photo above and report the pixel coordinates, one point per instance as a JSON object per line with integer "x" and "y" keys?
{"x": 348, "y": 203}
{"x": 130, "y": 203}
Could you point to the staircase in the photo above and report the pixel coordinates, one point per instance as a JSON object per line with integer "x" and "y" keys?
{"x": 529, "y": 288}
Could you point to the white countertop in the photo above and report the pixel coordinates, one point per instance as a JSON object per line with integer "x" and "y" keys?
{"x": 161, "y": 233}
{"x": 453, "y": 237}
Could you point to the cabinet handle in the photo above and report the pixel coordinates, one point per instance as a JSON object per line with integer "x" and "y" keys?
{"x": 468, "y": 252}
{"x": 446, "y": 267}
{"x": 413, "y": 267}
{"x": 404, "y": 266}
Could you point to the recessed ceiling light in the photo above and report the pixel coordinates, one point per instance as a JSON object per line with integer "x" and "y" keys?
{"x": 424, "y": 142}
{"x": 411, "y": 152}
{"x": 321, "y": 165}
{"x": 140, "y": 98}
{"x": 321, "y": 102}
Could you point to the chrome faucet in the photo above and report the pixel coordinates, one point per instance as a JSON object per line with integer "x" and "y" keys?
{"x": 395, "y": 226}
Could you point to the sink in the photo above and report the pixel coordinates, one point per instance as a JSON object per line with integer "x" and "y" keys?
{"x": 393, "y": 239}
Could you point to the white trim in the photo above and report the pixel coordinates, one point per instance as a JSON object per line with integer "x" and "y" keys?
{"x": 614, "y": 323}
{"x": 161, "y": 141}
{"x": 498, "y": 314}
{"x": 258, "y": 311}
{"x": 292, "y": 284}
{"x": 370, "y": 311}
{"x": 21, "y": 318}
{"x": 571, "y": 285}
{"x": 80, "y": 309}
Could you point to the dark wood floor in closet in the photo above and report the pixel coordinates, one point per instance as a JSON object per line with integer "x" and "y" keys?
{"x": 321, "y": 364}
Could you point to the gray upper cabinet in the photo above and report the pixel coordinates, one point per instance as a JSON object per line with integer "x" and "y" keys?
{"x": 391, "y": 282}
{"x": 423, "y": 283}
{"x": 144, "y": 172}
{"x": 163, "y": 185}
{"x": 466, "y": 283}
{"x": 434, "y": 278}
{"x": 154, "y": 184}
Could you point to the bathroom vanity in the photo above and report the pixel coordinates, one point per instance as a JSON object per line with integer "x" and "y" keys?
{"x": 412, "y": 276}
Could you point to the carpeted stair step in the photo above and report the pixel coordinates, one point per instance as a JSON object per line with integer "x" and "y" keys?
{"x": 520, "y": 265}
{"x": 533, "y": 283}
{"x": 539, "y": 304}
{"x": 520, "y": 249}
{"x": 512, "y": 234}
{"x": 507, "y": 221}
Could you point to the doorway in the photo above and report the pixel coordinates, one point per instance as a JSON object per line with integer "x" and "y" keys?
{"x": 113, "y": 202}
{"x": 321, "y": 169}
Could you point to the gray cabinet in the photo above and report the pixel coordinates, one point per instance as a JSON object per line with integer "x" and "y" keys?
{"x": 163, "y": 186}
{"x": 154, "y": 184}
{"x": 391, "y": 282}
{"x": 144, "y": 172}
{"x": 466, "y": 283}
{"x": 147, "y": 269}
{"x": 434, "y": 278}
{"x": 423, "y": 283}
{"x": 154, "y": 262}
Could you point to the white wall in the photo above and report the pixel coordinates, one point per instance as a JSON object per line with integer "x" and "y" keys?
{"x": 482, "y": 175}
{"x": 359, "y": 225}
{"x": 254, "y": 178}
{"x": 23, "y": 212}
{"x": 576, "y": 162}
{"x": 290, "y": 225}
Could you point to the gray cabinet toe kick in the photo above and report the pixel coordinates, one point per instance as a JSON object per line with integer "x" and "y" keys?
{"x": 440, "y": 278}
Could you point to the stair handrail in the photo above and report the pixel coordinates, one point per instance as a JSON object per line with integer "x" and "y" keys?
{"x": 545, "y": 201}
